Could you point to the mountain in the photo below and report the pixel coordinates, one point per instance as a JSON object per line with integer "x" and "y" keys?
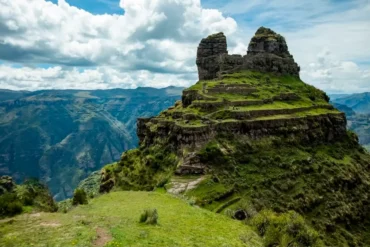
{"x": 61, "y": 136}
{"x": 360, "y": 103}
{"x": 251, "y": 140}
{"x": 358, "y": 121}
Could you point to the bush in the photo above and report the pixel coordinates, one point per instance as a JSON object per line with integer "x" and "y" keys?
{"x": 287, "y": 229}
{"x": 149, "y": 216}
{"x": 79, "y": 197}
{"x": 9, "y": 205}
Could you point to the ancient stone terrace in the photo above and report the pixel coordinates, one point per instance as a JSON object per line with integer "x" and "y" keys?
{"x": 273, "y": 106}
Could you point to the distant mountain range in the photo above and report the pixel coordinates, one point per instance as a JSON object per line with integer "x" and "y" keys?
{"x": 61, "y": 136}
{"x": 360, "y": 103}
{"x": 357, "y": 109}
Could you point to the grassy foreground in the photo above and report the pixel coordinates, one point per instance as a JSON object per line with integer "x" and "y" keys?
{"x": 113, "y": 220}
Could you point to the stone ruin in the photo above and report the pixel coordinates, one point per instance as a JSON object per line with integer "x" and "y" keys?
{"x": 267, "y": 52}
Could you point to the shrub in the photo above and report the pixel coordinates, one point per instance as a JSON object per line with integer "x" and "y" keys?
{"x": 9, "y": 205}
{"x": 79, "y": 197}
{"x": 149, "y": 216}
{"x": 287, "y": 229}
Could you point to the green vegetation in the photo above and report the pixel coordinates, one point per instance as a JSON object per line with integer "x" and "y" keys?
{"x": 234, "y": 94}
{"x": 79, "y": 197}
{"x": 10, "y": 205}
{"x": 149, "y": 216}
{"x": 141, "y": 169}
{"x": 287, "y": 229}
{"x": 71, "y": 133}
{"x": 91, "y": 184}
{"x": 327, "y": 183}
{"x": 32, "y": 196}
{"x": 320, "y": 187}
{"x": 115, "y": 218}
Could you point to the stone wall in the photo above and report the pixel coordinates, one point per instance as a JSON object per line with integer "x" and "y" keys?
{"x": 321, "y": 128}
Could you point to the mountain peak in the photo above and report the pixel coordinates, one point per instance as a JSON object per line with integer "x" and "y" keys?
{"x": 265, "y": 31}
{"x": 267, "y": 52}
{"x": 267, "y": 41}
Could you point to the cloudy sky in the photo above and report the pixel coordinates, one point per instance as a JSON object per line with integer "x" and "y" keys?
{"x": 98, "y": 44}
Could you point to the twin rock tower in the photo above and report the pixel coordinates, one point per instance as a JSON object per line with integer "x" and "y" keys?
{"x": 267, "y": 52}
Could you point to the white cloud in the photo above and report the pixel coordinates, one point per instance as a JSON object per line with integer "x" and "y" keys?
{"x": 156, "y": 40}
{"x": 159, "y": 36}
{"x": 310, "y": 27}
{"x": 27, "y": 78}
{"x": 336, "y": 76}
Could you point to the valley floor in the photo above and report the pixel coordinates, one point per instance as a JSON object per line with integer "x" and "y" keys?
{"x": 113, "y": 220}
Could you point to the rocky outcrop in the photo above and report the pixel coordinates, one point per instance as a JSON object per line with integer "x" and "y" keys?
{"x": 209, "y": 52}
{"x": 191, "y": 165}
{"x": 322, "y": 128}
{"x": 267, "y": 52}
{"x": 6, "y": 184}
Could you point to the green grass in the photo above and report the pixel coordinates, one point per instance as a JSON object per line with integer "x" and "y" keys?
{"x": 179, "y": 224}
{"x": 268, "y": 86}
{"x": 326, "y": 183}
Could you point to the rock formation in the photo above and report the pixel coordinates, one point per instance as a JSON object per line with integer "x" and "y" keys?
{"x": 267, "y": 52}
{"x": 209, "y": 52}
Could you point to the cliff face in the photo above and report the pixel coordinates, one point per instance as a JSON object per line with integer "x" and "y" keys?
{"x": 251, "y": 130}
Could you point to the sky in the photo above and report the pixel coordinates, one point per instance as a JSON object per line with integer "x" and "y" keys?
{"x": 101, "y": 44}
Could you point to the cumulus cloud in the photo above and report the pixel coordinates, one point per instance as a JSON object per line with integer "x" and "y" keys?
{"x": 158, "y": 36}
{"x": 153, "y": 42}
{"x": 335, "y": 76}
{"x": 26, "y": 78}
{"x": 312, "y": 29}
{"x": 37, "y": 31}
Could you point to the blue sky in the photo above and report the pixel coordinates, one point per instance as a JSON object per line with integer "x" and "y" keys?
{"x": 96, "y": 6}
{"x": 129, "y": 43}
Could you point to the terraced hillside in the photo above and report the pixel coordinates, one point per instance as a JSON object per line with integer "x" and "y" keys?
{"x": 250, "y": 136}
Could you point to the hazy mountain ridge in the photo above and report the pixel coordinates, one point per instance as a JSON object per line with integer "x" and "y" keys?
{"x": 61, "y": 136}
{"x": 357, "y": 109}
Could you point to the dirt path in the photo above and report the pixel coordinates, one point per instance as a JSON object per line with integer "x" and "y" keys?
{"x": 180, "y": 185}
{"x": 102, "y": 237}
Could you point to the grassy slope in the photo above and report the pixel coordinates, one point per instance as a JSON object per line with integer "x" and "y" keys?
{"x": 118, "y": 212}
{"x": 267, "y": 87}
{"x": 328, "y": 184}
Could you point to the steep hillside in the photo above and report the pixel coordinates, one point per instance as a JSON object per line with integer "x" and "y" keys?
{"x": 250, "y": 136}
{"x": 60, "y": 136}
{"x": 113, "y": 220}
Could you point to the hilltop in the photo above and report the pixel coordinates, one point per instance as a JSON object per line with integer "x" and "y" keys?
{"x": 251, "y": 136}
